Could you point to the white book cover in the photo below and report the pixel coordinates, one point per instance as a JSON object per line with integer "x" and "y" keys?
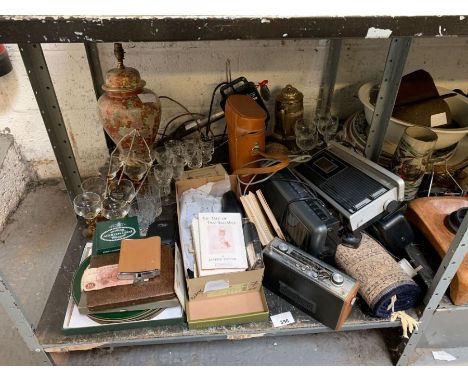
{"x": 221, "y": 241}
{"x": 196, "y": 243}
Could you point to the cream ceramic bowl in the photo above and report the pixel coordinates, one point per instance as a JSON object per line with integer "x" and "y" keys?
{"x": 445, "y": 137}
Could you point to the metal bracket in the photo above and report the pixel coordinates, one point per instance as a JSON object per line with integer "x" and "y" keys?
{"x": 329, "y": 78}
{"x": 396, "y": 59}
{"x": 43, "y": 88}
{"x": 7, "y": 300}
{"x": 92, "y": 54}
{"x": 447, "y": 269}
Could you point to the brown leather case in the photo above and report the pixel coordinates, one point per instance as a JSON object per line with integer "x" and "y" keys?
{"x": 428, "y": 215}
{"x": 246, "y": 130}
{"x": 156, "y": 289}
{"x": 140, "y": 255}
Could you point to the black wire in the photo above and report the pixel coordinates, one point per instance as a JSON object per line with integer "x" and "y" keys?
{"x": 177, "y": 117}
{"x": 224, "y": 132}
{"x": 208, "y": 124}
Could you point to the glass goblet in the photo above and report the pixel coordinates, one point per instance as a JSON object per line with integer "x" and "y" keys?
{"x": 170, "y": 145}
{"x": 88, "y": 205}
{"x": 163, "y": 176}
{"x": 113, "y": 166}
{"x": 207, "y": 148}
{"x": 121, "y": 190}
{"x": 162, "y": 155}
{"x": 136, "y": 165}
{"x": 194, "y": 153}
{"x": 95, "y": 184}
{"x": 146, "y": 209}
{"x": 306, "y": 134}
{"x": 178, "y": 166}
{"x": 114, "y": 209}
{"x": 154, "y": 193}
{"x": 326, "y": 126}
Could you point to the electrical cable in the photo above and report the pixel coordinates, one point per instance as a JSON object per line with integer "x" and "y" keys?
{"x": 183, "y": 107}
{"x": 251, "y": 182}
{"x": 177, "y": 117}
{"x": 208, "y": 124}
{"x": 224, "y": 132}
{"x": 296, "y": 158}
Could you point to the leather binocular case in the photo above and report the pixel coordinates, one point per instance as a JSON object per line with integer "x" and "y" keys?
{"x": 246, "y": 131}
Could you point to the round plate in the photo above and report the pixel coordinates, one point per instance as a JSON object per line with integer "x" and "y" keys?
{"x": 108, "y": 317}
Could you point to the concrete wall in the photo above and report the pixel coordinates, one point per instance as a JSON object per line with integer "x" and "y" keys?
{"x": 20, "y": 115}
{"x": 188, "y": 71}
{"x": 13, "y": 177}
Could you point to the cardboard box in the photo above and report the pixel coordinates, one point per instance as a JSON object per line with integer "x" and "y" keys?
{"x": 216, "y": 170}
{"x": 231, "y": 309}
{"x": 226, "y": 283}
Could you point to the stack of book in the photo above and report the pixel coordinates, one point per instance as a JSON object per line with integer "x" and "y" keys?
{"x": 123, "y": 281}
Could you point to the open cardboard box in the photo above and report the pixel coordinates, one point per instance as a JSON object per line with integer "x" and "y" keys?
{"x": 231, "y": 309}
{"x": 205, "y": 287}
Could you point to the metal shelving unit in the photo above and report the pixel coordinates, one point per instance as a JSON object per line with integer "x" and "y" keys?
{"x": 30, "y": 32}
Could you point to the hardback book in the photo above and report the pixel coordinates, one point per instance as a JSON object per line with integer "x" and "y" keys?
{"x": 110, "y": 233}
{"x": 221, "y": 241}
{"x": 155, "y": 289}
{"x": 140, "y": 258}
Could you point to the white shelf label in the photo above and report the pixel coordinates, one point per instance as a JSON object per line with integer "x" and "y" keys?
{"x": 282, "y": 319}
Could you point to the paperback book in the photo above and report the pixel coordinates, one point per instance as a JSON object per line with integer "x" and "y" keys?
{"x": 221, "y": 241}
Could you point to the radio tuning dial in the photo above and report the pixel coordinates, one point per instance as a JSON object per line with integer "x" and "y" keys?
{"x": 283, "y": 247}
{"x": 337, "y": 279}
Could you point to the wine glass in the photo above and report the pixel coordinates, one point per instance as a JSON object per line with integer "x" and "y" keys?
{"x": 207, "y": 148}
{"x": 122, "y": 190}
{"x": 162, "y": 155}
{"x": 327, "y": 127}
{"x": 135, "y": 165}
{"x": 178, "y": 166}
{"x": 95, "y": 184}
{"x": 114, "y": 209}
{"x": 163, "y": 176}
{"x": 306, "y": 134}
{"x": 146, "y": 207}
{"x": 194, "y": 153}
{"x": 88, "y": 205}
{"x": 113, "y": 166}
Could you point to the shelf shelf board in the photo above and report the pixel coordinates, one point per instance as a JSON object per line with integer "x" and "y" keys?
{"x": 51, "y": 337}
{"x": 43, "y": 29}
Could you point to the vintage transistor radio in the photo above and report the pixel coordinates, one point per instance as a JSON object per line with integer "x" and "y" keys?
{"x": 302, "y": 216}
{"x": 359, "y": 189}
{"x": 324, "y": 292}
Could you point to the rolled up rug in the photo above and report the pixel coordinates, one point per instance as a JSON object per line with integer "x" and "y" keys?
{"x": 380, "y": 277}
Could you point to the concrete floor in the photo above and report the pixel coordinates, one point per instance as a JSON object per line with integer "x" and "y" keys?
{"x": 31, "y": 249}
